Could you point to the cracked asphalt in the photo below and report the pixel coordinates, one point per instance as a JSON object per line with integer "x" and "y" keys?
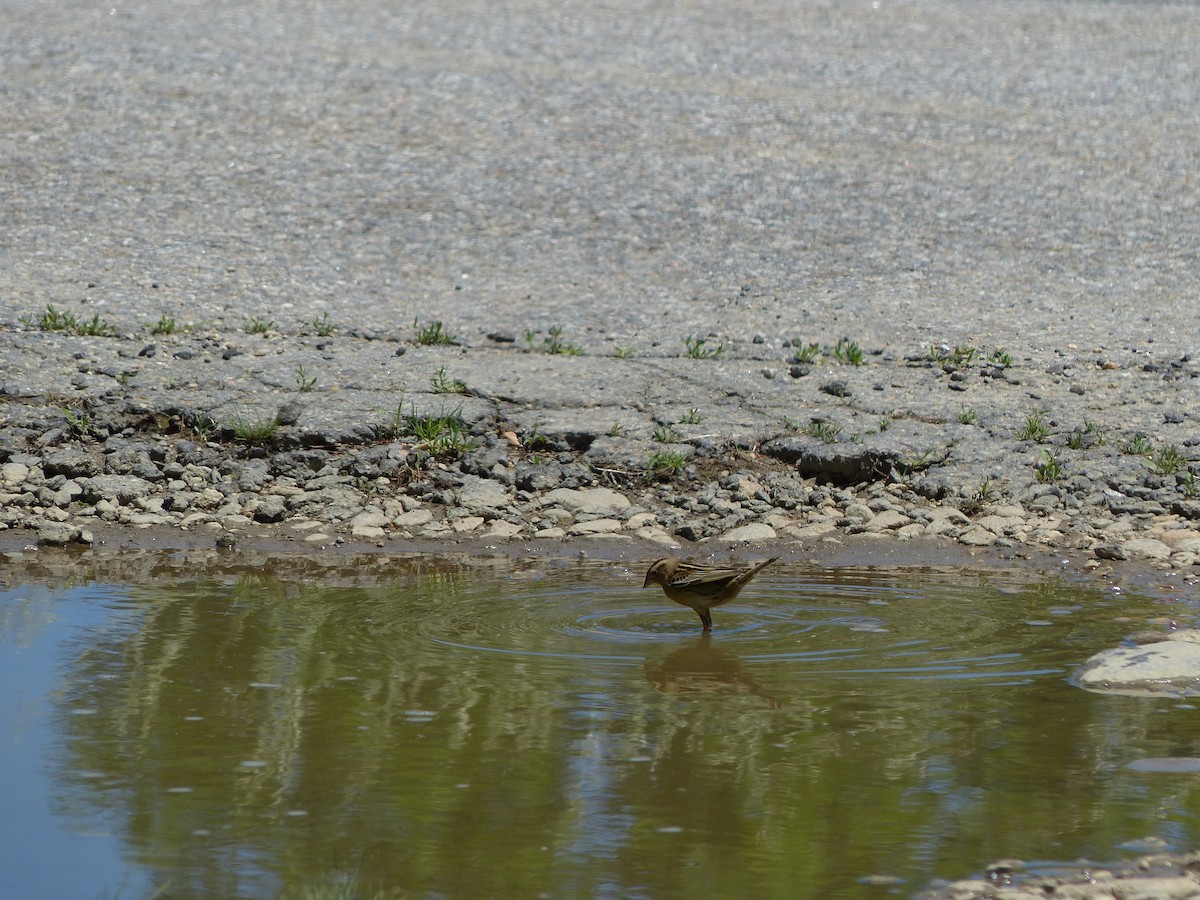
{"x": 931, "y": 181}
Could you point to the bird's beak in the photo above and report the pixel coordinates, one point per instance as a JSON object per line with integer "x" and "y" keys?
{"x": 646, "y": 583}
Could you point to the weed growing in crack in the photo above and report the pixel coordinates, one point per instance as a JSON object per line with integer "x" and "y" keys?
{"x": 696, "y": 348}
{"x": 1035, "y": 428}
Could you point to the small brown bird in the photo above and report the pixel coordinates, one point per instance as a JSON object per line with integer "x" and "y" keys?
{"x": 698, "y": 586}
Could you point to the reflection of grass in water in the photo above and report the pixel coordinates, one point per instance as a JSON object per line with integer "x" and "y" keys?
{"x": 374, "y": 729}
{"x": 341, "y": 889}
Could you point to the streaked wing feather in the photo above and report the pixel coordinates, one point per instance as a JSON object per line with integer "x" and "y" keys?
{"x": 695, "y": 577}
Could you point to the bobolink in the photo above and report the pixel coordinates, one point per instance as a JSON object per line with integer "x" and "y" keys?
{"x": 698, "y": 586}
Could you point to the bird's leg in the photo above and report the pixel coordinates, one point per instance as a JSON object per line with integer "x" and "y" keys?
{"x": 706, "y": 619}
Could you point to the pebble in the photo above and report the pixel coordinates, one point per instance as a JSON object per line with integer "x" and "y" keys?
{"x": 749, "y": 534}
{"x": 1162, "y": 663}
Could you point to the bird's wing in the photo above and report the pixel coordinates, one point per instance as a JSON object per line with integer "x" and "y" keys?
{"x": 690, "y": 577}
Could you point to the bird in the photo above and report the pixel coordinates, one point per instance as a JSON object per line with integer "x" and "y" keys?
{"x": 699, "y": 586}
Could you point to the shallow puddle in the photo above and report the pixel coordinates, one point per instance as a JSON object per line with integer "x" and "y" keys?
{"x": 465, "y": 728}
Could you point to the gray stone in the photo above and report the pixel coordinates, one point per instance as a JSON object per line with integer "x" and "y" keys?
{"x": 1189, "y": 509}
{"x": 1170, "y": 667}
{"x": 947, "y": 514}
{"x": 749, "y": 534}
{"x": 588, "y": 501}
{"x": 268, "y": 509}
{"x": 542, "y": 477}
{"x": 501, "y": 530}
{"x": 14, "y": 473}
{"x": 692, "y": 531}
{"x": 594, "y": 526}
{"x": 414, "y": 517}
{"x": 289, "y": 413}
{"x": 254, "y": 475}
{"x": 121, "y": 488}
{"x": 144, "y": 468}
{"x": 299, "y": 463}
{"x": 1146, "y": 548}
{"x": 888, "y": 519}
{"x": 976, "y": 536}
{"x": 58, "y": 533}
{"x": 481, "y": 462}
{"x": 483, "y": 496}
{"x": 146, "y": 519}
{"x": 71, "y": 462}
{"x": 67, "y": 494}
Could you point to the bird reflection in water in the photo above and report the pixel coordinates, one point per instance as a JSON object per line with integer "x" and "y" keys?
{"x": 701, "y": 668}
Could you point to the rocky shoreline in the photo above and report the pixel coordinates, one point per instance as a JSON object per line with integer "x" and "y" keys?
{"x": 155, "y": 434}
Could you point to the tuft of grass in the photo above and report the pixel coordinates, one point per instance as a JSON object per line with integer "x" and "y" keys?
{"x": 664, "y": 435}
{"x": 1035, "y": 427}
{"x": 432, "y": 334}
{"x": 848, "y": 352}
{"x": 616, "y": 430}
{"x": 441, "y": 384}
{"x": 304, "y": 382}
{"x": 822, "y": 430}
{"x": 254, "y": 431}
{"x": 981, "y": 496}
{"x": 322, "y": 325}
{"x": 256, "y": 325}
{"x": 1168, "y": 460}
{"x": 965, "y": 354}
{"x": 666, "y": 464}
{"x": 54, "y": 320}
{"x": 392, "y": 427}
{"x": 697, "y": 350}
{"x": 623, "y": 352}
{"x": 986, "y": 492}
{"x": 203, "y": 427}
{"x": 445, "y": 434}
{"x": 1048, "y": 468}
{"x": 1138, "y": 445}
{"x": 809, "y": 353}
{"x": 918, "y": 461}
{"x": 962, "y": 355}
{"x": 553, "y": 343}
{"x": 94, "y": 326}
{"x": 967, "y": 416}
{"x": 884, "y": 424}
{"x": 79, "y": 422}
{"x": 164, "y": 325}
{"x": 692, "y": 417}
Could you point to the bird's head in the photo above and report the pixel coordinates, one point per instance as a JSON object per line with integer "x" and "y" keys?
{"x": 660, "y": 571}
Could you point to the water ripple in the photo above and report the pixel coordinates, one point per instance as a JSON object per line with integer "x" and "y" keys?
{"x": 836, "y": 628}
